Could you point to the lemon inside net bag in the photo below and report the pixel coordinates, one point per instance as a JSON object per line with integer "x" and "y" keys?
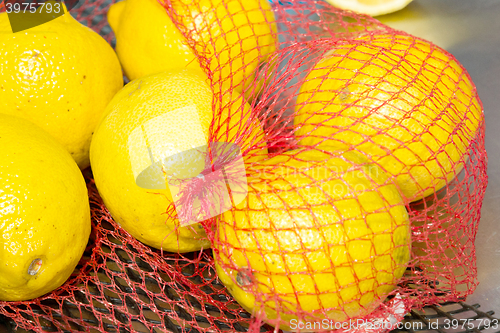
{"x": 400, "y": 100}
{"x": 322, "y": 234}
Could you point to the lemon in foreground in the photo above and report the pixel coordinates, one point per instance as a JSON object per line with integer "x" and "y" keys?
{"x": 155, "y": 118}
{"x": 371, "y": 7}
{"x": 403, "y": 102}
{"x": 59, "y": 75}
{"x": 236, "y": 36}
{"x": 44, "y": 215}
{"x": 321, "y": 231}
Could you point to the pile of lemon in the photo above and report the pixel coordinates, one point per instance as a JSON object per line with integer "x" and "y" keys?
{"x": 323, "y": 230}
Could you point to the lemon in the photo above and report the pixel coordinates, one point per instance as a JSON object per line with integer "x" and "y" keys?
{"x": 59, "y": 75}
{"x": 235, "y": 36}
{"x": 401, "y": 101}
{"x": 173, "y": 112}
{"x": 371, "y": 7}
{"x": 44, "y": 211}
{"x": 321, "y": 231}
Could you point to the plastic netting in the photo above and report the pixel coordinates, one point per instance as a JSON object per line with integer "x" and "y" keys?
{"x": 366, "y": 206}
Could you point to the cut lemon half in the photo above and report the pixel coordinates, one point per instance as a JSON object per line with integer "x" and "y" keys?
{"x": 371, "y": 7}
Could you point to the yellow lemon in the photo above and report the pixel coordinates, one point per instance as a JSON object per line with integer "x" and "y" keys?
{"x": 371, "y": 7}
{"x": 147, "y": 41}
{"x": 401, "y": 101}
{"x": 235, "y": 36}
{"x": 59, "y": 75}
{"x": 149, "y": 120}
{"x": 321, "y": 232}
{"x": 44, "y": 211}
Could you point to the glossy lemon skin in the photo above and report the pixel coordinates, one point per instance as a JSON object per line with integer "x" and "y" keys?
{"x": 141, "y": 211}
{"x": 320, "y": 230}
{"x": 44, "y": 211}
{"x": 60, "y": 75}
{"x": 403, "y": 102}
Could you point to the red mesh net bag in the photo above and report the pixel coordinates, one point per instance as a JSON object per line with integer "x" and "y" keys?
{"x": 364, "y": 204}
